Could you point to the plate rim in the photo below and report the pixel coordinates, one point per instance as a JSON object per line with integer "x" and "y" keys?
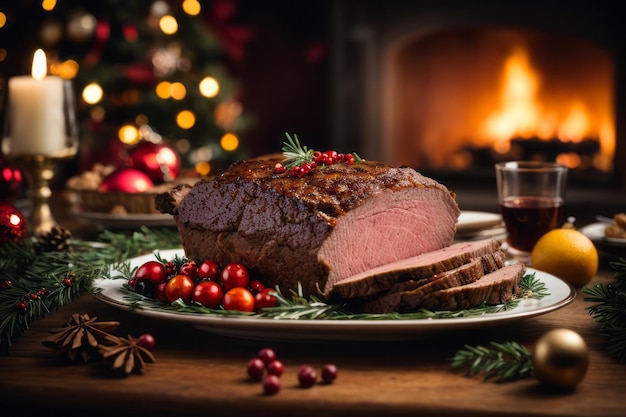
{"x": 492, "y": 219}
{"x": 598, "y": 236}
{"x": 254, "y": 327}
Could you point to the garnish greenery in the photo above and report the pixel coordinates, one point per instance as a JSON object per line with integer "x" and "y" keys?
{"x": 295, "y": 154}
{"x": 502, "y": 362}
{"x": 34, "y": 283}
{"x": 297, "y": 306}
{"x": 610, "y": 310}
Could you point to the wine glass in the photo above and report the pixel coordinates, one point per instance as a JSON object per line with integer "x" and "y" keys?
{"x": 40, "y": 131}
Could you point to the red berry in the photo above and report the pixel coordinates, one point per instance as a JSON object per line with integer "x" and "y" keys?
{"x": 159, "y": 292}
{"x": 190, "y": 269}
{"x": 271, "y": 384}
{"x": 238, "y": 298}
{"x": 267, "y": 355}
{"x": 265, "y": 298}
{"x": 255, "y": 369}
{"x": 235, "y": 275}
{"x": 275, "y": 367}
{"x": 209, "y": 270}
{"x": 279, "y": 168}
{"x": 208, "y": 293}
{"x": 255, "y": 286}
{"x": 179, "y": 286}
{"x": 146, "y": 340}
{"x": 307, "y": 376}
{"x": 329, "y": 373}
{"x": 153, "y": 271}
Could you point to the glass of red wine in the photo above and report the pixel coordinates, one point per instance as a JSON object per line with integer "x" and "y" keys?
{"x": 531, "y": 195}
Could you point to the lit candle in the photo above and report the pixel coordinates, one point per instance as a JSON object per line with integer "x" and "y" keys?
{"x": 37, "y": 124}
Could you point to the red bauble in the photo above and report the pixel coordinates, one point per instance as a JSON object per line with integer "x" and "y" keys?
{"x": 11, "y": 182}
{"x": 127, "y": 180}
{"x": 12, "y": 224}
{"x": 161, "y": 162}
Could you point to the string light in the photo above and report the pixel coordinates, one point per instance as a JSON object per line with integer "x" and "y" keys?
{"x": 229, "y": 142}
{"x": 128, "y": 134}
{"x": 192, "y": 7}
{"x": 48, "y": 5}
{"x": 92, "y": 93}
{"x": 185, "y": 119}
{"x": 168, "y": 25}
{"x": 209, "y": 87}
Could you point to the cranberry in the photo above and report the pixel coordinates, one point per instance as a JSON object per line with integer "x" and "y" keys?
{"x": 159, "y": 292}
{"x": 208, "y": 293}
{"x": 271, "y": 384}
{"x": 209, "y": 270}
{"x": 146, "y": 340}
{"x": 265, "y": 298}
{"x": 190, "y": 269}
{"x": 153, "y": 271}
{"x": 255, "y": 286}
{"x": 267, "y": 355}
{"x": 275, "y": 367}
{"x": 235, "y": 275}
{"x": 329, "y": 373}
{"x": 307, "y": 376}
{"x": 255, "y": 369}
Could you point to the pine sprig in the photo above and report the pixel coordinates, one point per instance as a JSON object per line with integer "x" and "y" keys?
{"x": 34, "y": 283}
{"x": 610, "y": 310}
{"x": 502, "y": 362}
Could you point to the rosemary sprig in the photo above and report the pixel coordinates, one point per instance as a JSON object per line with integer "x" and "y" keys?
{"x": 500, "y": 361}
{"x": 298, "y": 307}
{"x": 610, "y": 310}
{"x": 295, "y": 154}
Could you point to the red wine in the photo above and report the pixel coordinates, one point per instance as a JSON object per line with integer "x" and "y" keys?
{"x": 528, "y": 218}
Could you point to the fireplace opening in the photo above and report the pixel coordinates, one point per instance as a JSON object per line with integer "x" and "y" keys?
{"x": 463, "y": 99}
{"x": 452, "y": 87}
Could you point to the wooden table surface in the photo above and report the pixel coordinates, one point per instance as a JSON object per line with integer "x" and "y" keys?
{"x": 198, "y": 373}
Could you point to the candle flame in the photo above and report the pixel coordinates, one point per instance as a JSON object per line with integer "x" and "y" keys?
{"x": 39, "y": 68}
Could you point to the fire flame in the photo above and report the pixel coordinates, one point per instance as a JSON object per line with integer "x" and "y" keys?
{"x": 521, "y": 114}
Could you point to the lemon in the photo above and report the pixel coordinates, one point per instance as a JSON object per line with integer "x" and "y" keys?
{"x": 567, "y": 254}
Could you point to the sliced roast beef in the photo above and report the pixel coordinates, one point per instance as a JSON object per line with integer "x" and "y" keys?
{"x": 316, "y": 231}
{"x": 406, "y": 296}
{"x": 377, "y": 280}
{"x": 494, "y": 288}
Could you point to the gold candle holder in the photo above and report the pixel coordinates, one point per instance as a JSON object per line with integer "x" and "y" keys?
{"x": 39, "y": 171}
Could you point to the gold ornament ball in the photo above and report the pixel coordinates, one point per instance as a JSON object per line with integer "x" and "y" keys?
{"x": 560, "y": 359}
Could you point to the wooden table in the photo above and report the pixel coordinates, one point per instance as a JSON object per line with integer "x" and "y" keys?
{"x": 197, "y": 373}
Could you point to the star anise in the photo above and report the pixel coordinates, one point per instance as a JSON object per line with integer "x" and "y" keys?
{"x": 80, "y": 337}
{"x": 127, "y": 354}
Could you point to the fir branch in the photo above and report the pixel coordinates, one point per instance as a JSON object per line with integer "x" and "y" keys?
{"x": 34, "y": 283}
{"x": 503, "y": 362}
{"x": 610, "y": 310}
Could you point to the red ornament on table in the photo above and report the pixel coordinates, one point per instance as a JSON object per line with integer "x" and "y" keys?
{"x": 160, "y": 161}
{"x": 13, "y": 226}
{"x": 127, "y": 180}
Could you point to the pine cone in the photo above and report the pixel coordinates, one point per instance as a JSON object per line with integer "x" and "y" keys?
{"x": 57, "y": 239}
{"x": 127, "y": 354}
{"x": 80, "y": 337}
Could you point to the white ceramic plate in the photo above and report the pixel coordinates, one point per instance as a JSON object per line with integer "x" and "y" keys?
{"x": 251, "y": 327}
{"x": 595, "y": 232}
{"x": 472, "y": 221}
{"x": 126, "y": 220}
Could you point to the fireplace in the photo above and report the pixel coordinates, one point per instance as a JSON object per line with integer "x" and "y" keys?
{"x": 452, "y": 87}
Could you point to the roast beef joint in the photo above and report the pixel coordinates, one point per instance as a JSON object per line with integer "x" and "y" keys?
{"x": 343, "y": 232}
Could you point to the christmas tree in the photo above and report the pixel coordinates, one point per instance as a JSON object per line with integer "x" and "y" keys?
{"x": 145, "y": 70}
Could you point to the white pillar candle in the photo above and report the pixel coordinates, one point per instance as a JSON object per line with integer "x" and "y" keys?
{"x": 36, "y": 118}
